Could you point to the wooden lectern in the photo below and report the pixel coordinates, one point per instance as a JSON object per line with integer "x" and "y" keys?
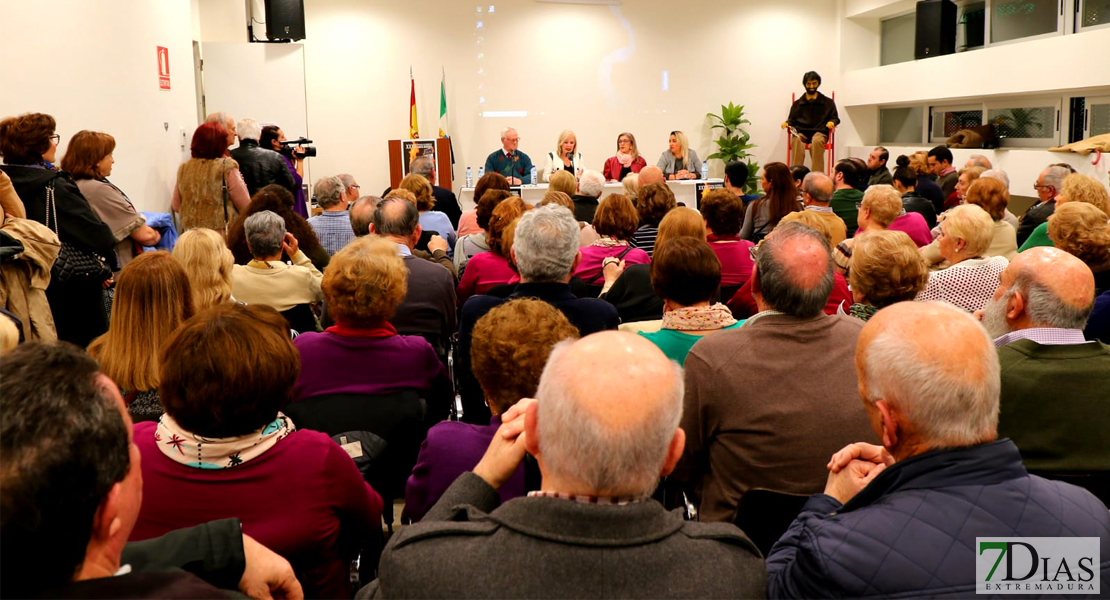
{"x": 399, "y": 159}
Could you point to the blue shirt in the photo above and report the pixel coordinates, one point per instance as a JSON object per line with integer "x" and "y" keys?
{"x": 333, "y": 227}
{"x": 433, "y": 220}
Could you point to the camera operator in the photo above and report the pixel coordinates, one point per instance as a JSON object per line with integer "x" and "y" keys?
{"x": 272, "y": 138}
{"x": 260, "y": 167}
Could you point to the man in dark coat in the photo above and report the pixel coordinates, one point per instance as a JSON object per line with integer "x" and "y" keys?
{"x": 260, "y": 166}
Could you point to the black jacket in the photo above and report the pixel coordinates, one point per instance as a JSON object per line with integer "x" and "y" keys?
{"x": 77, "y": 223}
{"x": 584, "y": 207}
{"x": 1037, "y": 214}
{"x": 261, "y": 167}
{"x": 448, "y": 204}
{"x": 914, "y": 202}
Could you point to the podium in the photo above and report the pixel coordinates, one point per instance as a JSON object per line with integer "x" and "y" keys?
{"x": 401, "y": 153}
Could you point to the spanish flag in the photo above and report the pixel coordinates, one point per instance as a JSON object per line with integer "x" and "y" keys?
{"x": 414, "y": 130}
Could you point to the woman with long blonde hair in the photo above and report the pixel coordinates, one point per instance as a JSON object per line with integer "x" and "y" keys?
{"x": 207, "y": 262}
{"x": 153, "y": 298}
{"x": 679, "y": 161}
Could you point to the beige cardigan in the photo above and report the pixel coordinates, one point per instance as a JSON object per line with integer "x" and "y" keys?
{"x": 279, "y": 285}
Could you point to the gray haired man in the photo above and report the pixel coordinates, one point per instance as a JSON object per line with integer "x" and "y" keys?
{"x": 446, "y": 201}
{"x": 333, "y": 224}
{"x": 603, "y": 428}
{"x": 266, "y": 279}
{"x": 260, "y": 166}
{"x": 590, "y": 187}
{"x": 1048, "y": 188}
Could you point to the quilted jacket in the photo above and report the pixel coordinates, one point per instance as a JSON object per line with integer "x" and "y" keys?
{"x": 911, "y": 533}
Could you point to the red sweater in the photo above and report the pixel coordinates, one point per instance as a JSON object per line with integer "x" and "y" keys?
{"x": 299, "y": 499}
{"x": 743, "y": 305}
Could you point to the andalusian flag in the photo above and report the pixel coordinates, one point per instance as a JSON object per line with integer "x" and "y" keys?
{"x": 443, "y": 106}
{"x": 414, "y": 129}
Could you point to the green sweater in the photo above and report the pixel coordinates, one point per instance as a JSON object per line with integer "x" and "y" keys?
{"x": 1056, "y": 404}
{"x": 843, "y": 204}
{"x": 1039, "y": 237}
{"x": 675, "y": 344}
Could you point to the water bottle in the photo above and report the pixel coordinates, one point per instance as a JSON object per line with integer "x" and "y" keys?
{"x": 481, "y": 171}
{"x": 469, "y": 178}
{"x": 705, "y": 170}
{"x": 533, "y": 174}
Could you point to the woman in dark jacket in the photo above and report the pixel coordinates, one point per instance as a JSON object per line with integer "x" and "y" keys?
{"x": 29, "y": 144}
{"x": 277, "y": 199}
{"x": 905, "y": 181}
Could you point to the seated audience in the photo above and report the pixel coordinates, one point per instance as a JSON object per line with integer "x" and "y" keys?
{"x": 631, "y": 186}
{"x": 886, "y": 269}
{"x": 333, "y": 225}
{"x": 431, "y": 220}
{"x": 890, "y": 519}
{"x": 968, "y": 176}
{"x": 278, "y": 200}
{"x": 429, "y": 307}
{"x": 1036, "y": 319}
{"x": 492, "y": 180}
{"x": 568, "y": 184}
{"x": 509, "y": 347}
{"x": 208, "y": 264}
{"x": 560, "y": 198}
{"x": 1009, "y": 217}
{"x": 687, "y": 275}
{"x": 978, "y": 160}
{"x": 846, "y": 195}
{"x": 939, "y": 160}
{"x": 798, "y": 173}
{"x": 653, "y": 203}
{"x": 445, "y": 200}
{"x": 209, "y": 191}
{"x": 488, "y": 269}
{"x": 905, "y": 181}
{"x": 737, "y": 437}
{"x": 473, "y": 243}
{"x": 224, "y": 449}
{"x": 651, "y": 174}
{"x": 603, "y": 430}
{"x": 72, "y": 492}
{"x": 992, "y": 196}
{"x": 878, "y": 172}
{"x": 736, "y": 179}
{"x": 1098, "y": 324}
{"x": 435, "y": 247}
{"x": 1048, "y": 186}
{"x": 724, "y": 212}
{"x": 626, "y": 162}
{"x": 152, "y": 300}
{"x": 969, "y": 281}
{"x": 817, "y": 191}
{"x": 266, "y": 279}
{"x": 629, "y": 289}
{"x": 590, "y": 187}
{"x": 780, "y": 200}
{"x": 615, "y": 222}
{"x": 926, "y": 184}
{"x": 1082, "y": 231}
{"x": 880, "y": 207}
{"x": 1075, "y": 188}
{"x": 545, "y": 251}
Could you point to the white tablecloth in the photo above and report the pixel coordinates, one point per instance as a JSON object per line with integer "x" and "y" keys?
{"x": 684, "y": 192}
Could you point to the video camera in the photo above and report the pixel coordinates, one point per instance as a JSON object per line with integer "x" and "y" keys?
{"x": 287, "y": 148}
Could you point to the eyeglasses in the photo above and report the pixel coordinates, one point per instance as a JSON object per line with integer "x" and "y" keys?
{"x": 56, "y": 138}
{"x": 357, "y": 186}
{"x": 1038, "y": 186}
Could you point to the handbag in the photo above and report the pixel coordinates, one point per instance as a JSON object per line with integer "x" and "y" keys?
{"x": 74, "y": 263}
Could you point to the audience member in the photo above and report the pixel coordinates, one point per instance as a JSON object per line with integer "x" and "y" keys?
{"x": 966, "y": 177}
{"x": 817, "y": 191}
{"x": 430, "y": 220}
{"x": 631, "y": 186}
{"x": 590, "y": 187}
{"x": 259, "y": 166}
{"x": 468, "y": 223}
{"x": 71, "y": 494}
{"x": 878, "y": 210}
{"x": 29, "y": 250}
{"x": 651, "y": 174}
{"x": 925, "y": 184}
{"x": 1075, "y": 188}
{"x": 780, "y": 200}
{"x": 889, "y": 519}
{"x": 560, "y": 198}
{"x": 361, "y": 212}
{"x": 428, "y": 308}
{"x": 1098, "y": 324}
{"x": 798, "y": 174}
{"x": 846, "y": 197}
{"x": 508, "y": 161}
{"x": 509, "y": 347}
{"x": 1082, "y": 230}
{"x": 89, "y": 160}
{"x": 654, "y": 202}
{"x": 545, "y": 251}
{"x": 978, "y": 160}
{"x": 153, "y": 299}
{"x": 736, "y": 438}
{"x": 886, "y": 269}
{"x": 279, "y": 201}
{"x": 207, "y": 263}
{"x": 878, "y": 172}
{"x": 969, "y": 281}
{"x": 565, "y": 157}
{"x": 939, "y": 160}
{"x": 29, "y": 147}
{"x": 1009, "y": 217}
{"x": 428, "y": 245}
{"x": 568, "y": 184}
{"x": 629, "y": 289}
{"x": 333, "y": 225}
{"x": 445, "y": 200}
{"x": 679, "y": 161}
{"x": 627, "y": 160}
{"x": 487, "y": 269}
{"x": 272, "y": 138}
{"x": 1048, "y": 186}
{"x": 1036, "y": 319}
{"x": 723, "y": 212}
{"x": 603, "y": 430}
{"x": 687, "y": 275}
{"x": 266, "y": 279}
{"x": 992, "y": 196}
{"x": 615, "y": 222}
{"x": 736, "y": 179}
{"x": 905, "y": 181}
{"x": 224, "y": 449}
{"x": 209, "y": 191}
{"x": 473, "y": 243}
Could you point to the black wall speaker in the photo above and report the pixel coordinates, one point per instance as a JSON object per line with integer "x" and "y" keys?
{"x": 936, "y": 28}
{"x": 285, "y": 19}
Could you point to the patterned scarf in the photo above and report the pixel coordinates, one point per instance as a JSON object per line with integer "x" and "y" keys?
{"x": 862, "y": 312}
{"x": 200, "y": 452}
{"x": 624, "y": 158}
{"x": 608, "y": 242}
{"x": 698, "y": 318}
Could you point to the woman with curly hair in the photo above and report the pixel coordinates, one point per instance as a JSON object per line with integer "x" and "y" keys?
{"x": 780, "y": 200}
{"x": 652, "y": 204}
{"x": 1075, "y": 188}
{"x": 488, "y": 269}
{"x": 886, "y": 268}
{"x": 277, "y": 199}
{"x": 615, "y": 223}
{"x": 1082, "y": 230}
{"x": 207, "y": 262}
{"x": 468, "y": 222}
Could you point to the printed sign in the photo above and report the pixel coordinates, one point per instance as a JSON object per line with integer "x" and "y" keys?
{"x": 163, "y": 68}
{"x": 1037, "y": 565}
{"x": 410, "y": 149}
{"x": 702, "y": 187}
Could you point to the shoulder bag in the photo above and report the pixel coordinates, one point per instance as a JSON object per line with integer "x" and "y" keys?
{"x": 74, "y": 263}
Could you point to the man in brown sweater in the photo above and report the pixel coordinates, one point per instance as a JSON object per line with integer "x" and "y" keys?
{"x": 767, "y": 404}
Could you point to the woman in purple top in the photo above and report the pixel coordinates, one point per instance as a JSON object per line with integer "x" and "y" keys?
{"x": 271, "y": 138}
{"x": 509, "y": 347}
{"x": 724, "y": 215}
{"x": 362, "y": 354}
{"x": 615, "y": 221}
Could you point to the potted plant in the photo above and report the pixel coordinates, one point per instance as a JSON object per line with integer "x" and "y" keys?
{"x": 734, "y": 142}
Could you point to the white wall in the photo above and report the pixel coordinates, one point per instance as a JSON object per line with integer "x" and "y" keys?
{"x": 93, "y": 65}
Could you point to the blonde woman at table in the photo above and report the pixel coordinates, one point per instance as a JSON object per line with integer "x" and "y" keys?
{"x": 565, "y": 157}
{"x": 679, "y": 161}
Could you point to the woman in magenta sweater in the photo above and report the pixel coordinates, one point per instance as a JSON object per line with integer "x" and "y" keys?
{"x": 223, "y": 449}
{"x": 485, "y": 270}
{"x": 616, "y": 222}
{"x": 724, "y": 214}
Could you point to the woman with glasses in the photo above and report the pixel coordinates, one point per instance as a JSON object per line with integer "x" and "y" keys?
{"x": 29, "y": 147}
{"x": 626, "y": 161}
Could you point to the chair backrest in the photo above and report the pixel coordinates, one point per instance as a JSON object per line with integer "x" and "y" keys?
{"x": 1096, "y": 482}
{"x": 765, "y": 515}
{"x": 300, "y": 318}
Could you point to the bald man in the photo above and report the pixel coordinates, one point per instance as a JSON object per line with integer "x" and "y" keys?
{"x": 650, "y": 175}
{"x": 751, "y": 421}
{"x": 1055, "y": 384}
{"x": 603, "y": 429}
{"x": 901, "y": 519}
